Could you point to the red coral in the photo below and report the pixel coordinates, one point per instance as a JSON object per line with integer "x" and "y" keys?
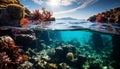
{"x": 24, "y": 22}
{"x": 45, "y": 15}
{"x": 36, "y": 14}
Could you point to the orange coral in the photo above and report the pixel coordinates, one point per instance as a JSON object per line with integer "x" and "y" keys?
{"x": 24, "y": 22}
{"x": 25, "y": 57}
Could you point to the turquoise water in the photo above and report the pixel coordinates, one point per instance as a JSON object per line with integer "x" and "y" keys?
{"x": 82, "y": 36}
{"x": 92, "y": 45}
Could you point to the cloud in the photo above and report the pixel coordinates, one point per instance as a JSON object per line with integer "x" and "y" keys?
{"x": 55, "y": 3}
{"x": 85, "y": 4}
{"x": 67, "y": 2}
{"x": 38, "y": 1}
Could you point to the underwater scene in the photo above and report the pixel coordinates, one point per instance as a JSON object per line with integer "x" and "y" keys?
{"x": 59, "y": 34}
{"x": 53, "y": 46}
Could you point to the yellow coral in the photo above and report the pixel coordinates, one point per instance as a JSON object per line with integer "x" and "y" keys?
{"x": 70, "y": 56}
{"x": 52, "y": 66}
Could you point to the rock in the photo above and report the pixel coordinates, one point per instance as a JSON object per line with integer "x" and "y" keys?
{"x": 15, "y": 11}
{"x": 24, "y": 39}
{"x": 112, "y": 16}
{"x": 5, "y": 3}
{"x": 12, "y": 15}
{"x": 6, "y": 32}
{"x": 51, "y": 52}
{"x": 80, "y": 61}
{"x": 62, "y": 66}
{"x": 51, "y": 19}
{"x": 11, "y": 12}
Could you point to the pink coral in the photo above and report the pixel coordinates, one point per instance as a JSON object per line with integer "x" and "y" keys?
{"x": 10, "y": 54}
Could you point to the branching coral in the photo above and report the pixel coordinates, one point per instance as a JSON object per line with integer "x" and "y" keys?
{"x": 36, "y": 14}
{"x": 45, "y": 15}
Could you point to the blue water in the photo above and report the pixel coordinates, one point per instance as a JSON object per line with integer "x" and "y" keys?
{"x": 67, "y": 30}
{"x": 92, "y": 40}
{"x": 82, "y": 36}
{"x": 77, "y": 25}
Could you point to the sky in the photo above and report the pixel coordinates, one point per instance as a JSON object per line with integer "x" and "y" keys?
{"x": 80, "y": 9}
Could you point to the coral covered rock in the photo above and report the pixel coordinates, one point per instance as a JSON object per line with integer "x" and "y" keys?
{"x": 10, "y": 54}
{"x": 5, "y": 3}
{"x": 12, "y": 15}
{"x": 11, "y": 12}
{"x": 15, "y": 11}
{"x": 24, "y": 39}
{"x": 70, "y": 56}
{"x": 111, "y": 16}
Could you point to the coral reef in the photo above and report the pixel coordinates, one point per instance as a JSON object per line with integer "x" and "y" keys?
{"x": 26, "y": 65}
{"x": 49, "y": 53}
{"x": 111, "y": 16}
{"x": 67, "y": 56}
{"x": 10, "y": 54}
